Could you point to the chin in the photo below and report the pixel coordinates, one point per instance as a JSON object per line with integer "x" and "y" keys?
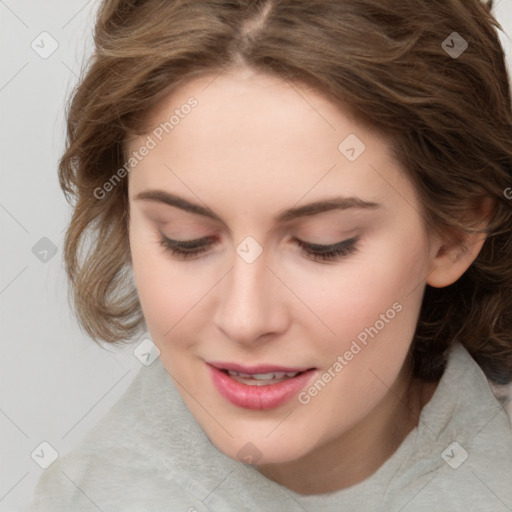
{"x": 260, "y": 451}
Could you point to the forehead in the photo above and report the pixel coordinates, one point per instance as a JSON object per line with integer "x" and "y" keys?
{"x": 256, "y": 137}
{"x": 242, "y": 102}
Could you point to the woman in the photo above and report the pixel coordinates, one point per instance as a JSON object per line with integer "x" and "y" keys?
{"x": 305, "y": 204}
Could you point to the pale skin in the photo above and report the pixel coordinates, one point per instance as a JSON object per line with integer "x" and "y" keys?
{"x": 252, "y": 147}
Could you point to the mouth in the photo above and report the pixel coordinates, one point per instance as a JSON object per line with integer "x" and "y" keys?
{"x": 259, "y": 389}
{"x": 261, "y": 379}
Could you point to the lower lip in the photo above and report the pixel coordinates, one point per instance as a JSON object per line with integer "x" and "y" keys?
{"x": 258, "y": 397}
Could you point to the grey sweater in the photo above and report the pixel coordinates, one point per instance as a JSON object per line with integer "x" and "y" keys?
{"x": 148, "y": 454}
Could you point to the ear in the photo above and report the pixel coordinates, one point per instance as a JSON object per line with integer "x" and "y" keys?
{"x": 455, "y": 252}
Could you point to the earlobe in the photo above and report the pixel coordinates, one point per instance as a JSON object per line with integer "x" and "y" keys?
{"x": 451, "y": 262}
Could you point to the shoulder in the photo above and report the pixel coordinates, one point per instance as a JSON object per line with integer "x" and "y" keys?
{"x": 96, "y": 483}
{"x": 473, "y": 476}
{"x": 463, "y": 448}
{"x": 119, "y": 464}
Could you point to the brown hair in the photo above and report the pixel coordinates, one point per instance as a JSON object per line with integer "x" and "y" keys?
{"x": 448, "y": 118}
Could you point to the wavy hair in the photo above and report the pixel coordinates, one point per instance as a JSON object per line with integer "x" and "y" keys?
{"x": 448, "y": 119}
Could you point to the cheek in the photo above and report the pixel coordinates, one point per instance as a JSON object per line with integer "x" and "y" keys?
{"x": 164, "y": 292}
{"x": 373, "y": 298}
{"x": 371, "y": 282}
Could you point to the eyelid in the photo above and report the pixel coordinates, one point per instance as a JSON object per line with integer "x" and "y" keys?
{"x": 332, "y": 253}
{"x": 187, "y": 243}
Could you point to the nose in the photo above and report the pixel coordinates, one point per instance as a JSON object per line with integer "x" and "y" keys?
{"x": 252, "y": 302}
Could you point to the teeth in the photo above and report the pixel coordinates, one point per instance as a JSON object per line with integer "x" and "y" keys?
{"x": 263, "y": 376}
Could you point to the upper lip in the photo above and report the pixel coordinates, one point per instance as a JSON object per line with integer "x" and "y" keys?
{"x": 259, "y": 368}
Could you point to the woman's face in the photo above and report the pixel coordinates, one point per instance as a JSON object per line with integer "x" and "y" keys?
{"x": 256, "y": 153}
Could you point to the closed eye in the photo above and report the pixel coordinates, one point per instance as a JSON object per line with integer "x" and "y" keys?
{"x": 187, "y": 249}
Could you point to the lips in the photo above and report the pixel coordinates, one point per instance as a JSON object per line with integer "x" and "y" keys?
{"x": 261, "y": 386}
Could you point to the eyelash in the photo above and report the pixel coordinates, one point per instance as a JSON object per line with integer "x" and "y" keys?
{"x": 190, "y": 248}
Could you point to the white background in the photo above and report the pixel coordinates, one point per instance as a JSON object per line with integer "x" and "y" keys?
{"x": 55, "y": 382}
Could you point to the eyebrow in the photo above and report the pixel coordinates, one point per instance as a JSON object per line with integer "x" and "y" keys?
{"x": 333, "y": 203}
